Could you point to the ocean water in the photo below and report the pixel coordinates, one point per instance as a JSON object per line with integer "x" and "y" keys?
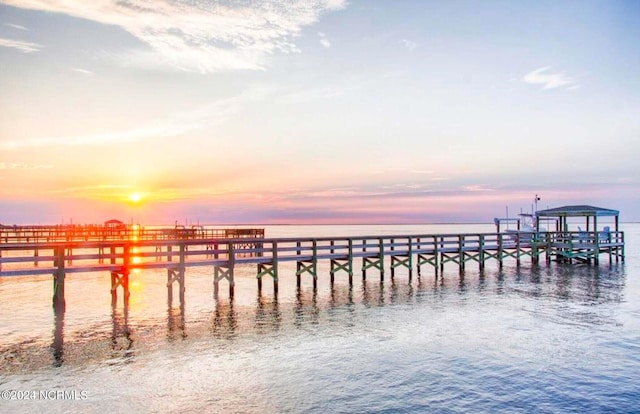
{"x": 547, "y": 338}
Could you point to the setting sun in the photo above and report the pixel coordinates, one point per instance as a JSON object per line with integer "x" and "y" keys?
{"x": 135, "y": 197}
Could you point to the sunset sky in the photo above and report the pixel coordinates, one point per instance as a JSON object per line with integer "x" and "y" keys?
{"x": 316, "y": 111}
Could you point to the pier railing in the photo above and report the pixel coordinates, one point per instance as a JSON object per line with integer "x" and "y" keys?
{"x": 125, "y": 232}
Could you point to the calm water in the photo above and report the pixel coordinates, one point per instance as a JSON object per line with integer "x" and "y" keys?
{"x": 549, "y": 339}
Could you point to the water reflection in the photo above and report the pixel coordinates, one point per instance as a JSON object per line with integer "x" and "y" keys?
{"x": 224, "y": 323}
{"x": 462, "y": 285}
{"x": 566, "y": 294}
{"x": 572, "y": 292}
{"x": 176, "y": 325}
{"x": 482, "y": 282}
{"x": 400, "y": 294}
{"x": 306, "y": 308}
{"x": 341, "y": 295}
{"x": 373, "y": 293}
{"x": 121, "y": 338}
{"x": 58, "y": 335}
{"x": 268, "y": 316}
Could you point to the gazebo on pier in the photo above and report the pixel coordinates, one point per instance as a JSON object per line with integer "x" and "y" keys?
{"x": 589, "y": 213}
{"x": 585, "y": 244}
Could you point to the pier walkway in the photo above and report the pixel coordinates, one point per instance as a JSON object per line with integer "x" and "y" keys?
{"x": 38, "y": 254}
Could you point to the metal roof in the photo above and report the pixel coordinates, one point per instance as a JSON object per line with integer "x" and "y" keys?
{"x": 577, "y": 211}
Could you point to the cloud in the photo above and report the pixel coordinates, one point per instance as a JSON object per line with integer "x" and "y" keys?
{"x": 16, "y": 26}
{"x": 197, "y": 35}
{"x": 19, "y": 166}
{"x": 83, "y": 71}
{"x": 324, "y": 41}
{"x": 173, "y": 125}
{"x": 25, "y": 47}
{"x": 409, "y": 44}
{"x": 550, "y": 80}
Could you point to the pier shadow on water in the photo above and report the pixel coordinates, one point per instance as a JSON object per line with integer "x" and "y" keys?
{"x": 57, "y": 347}
{"x": 122, "y": 339}
{"x": 176, "y": 321}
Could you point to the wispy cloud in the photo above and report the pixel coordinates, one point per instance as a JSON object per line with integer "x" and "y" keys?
{"x": 409, "y": 45}
{"x": 173, "y": 125}
{"x": 83, "y": 71}
{"x": 20, "y": 166}
{"x": 25, "y": 47}
{"x": 16, "y": 26}
{"x": 550, "y": 80}
{"x": 324, "y": 41}
{"x": 197, "y": 35}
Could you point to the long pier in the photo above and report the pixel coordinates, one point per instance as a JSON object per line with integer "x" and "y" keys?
{"x": 175, "y": 253}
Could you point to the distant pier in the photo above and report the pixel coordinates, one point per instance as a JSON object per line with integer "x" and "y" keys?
{"x": 43, "y": 250}
{"x": 114, "y": 230}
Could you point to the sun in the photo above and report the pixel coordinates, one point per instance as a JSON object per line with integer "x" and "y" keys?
{"x": 135, "y": 197}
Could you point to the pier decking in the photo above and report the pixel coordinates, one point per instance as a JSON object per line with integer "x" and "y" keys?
{"x": 175, "y": 253}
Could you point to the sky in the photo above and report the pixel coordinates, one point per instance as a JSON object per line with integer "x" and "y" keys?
{"x": 316, "y": 111}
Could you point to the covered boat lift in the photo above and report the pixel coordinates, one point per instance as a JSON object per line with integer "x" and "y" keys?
{"x": 585, "y": 244}
{"x": 590, "y": 214}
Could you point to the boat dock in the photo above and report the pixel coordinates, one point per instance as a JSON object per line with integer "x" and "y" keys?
{"x": 175, "y": 253}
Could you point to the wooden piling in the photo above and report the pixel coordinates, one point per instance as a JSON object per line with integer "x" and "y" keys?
{"x": 58, "y": 278}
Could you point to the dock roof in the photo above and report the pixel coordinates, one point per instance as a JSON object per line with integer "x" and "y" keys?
{"x": 577, "y": 211}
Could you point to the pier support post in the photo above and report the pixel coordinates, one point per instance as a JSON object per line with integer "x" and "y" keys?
{"x": 405, "y": 260}
{"x": 120, "y": 279}
{"x": 392, "y": 248}
{"x": 310, "y": 266}
{"x": 410, "y": 263}
{"x": 461, "y": 253}
{"x": 58, "y": 279}
{"x": 343, "y": 263}
{"x": 428, "y": 257}
{"x": 225, "y": 271}
{"x": 338, "y": 264}
{"x": 455, "y": 256}
{"x": 269, "y": 269}
{"x": 374, "y": 261}
{"x": 175, "y": 275}
{"x": 481, "y": 248}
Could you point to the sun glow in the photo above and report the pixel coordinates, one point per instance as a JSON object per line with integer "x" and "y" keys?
{"x": 135, "y": 197}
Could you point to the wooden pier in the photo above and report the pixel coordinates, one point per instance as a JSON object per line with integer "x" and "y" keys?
{"x": 116, "y": 230}
{"x": 345, "y": 255}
